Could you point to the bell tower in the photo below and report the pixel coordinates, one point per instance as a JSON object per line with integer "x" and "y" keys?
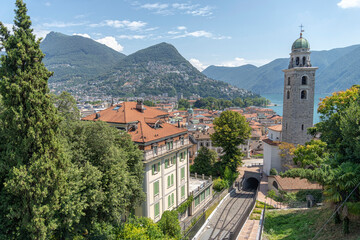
{"x": 299, "y": 86}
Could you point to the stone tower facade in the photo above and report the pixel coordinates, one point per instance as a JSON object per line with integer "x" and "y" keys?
{"x": 299, "y": 86}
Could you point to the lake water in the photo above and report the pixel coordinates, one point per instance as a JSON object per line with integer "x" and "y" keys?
{"x": 277, "y": 99}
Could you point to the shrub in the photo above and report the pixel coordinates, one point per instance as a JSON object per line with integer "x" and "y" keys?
{"x": 219, "y": 184}
{"x": 169, "y": 224}
{"x": 273, "y": 172}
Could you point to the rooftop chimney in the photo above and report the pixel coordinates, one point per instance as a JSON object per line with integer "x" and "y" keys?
{"x": 140, "y": 105}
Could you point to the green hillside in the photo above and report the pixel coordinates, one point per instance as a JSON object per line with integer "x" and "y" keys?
{"x": 161, "y": 69}
{"x": 74, "y": 59}
{"x": 338, "y": 70}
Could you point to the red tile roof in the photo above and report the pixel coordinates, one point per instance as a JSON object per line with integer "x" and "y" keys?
{"x": 127, "y": 113}
{"x": 295, "y": 184}
{"x": 277, "y": 128}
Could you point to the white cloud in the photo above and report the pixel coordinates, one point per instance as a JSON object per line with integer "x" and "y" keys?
{"x": 41, "y": 33}
{"x": 349, "y": 3}
{"x": 204, "y": 11}
{"x": 48, "y": 4}
{"x": 85, "y": 35}
{"x": 132, "y": 36}
{"x": 111, "y": 42}
{"x": 132, "y": 25}
{"x": 181, "y": 28}
{"x": 236, "y": 62}
{"x": 201, "y": 33}
{"x": 61, "y": 24}
{"x": 184, "y": 6}
{"x": 199, "y": 65}
{"x": 173, "y": 32}
{"x": 154, "y": 6}
{"x": 171, "y": 9}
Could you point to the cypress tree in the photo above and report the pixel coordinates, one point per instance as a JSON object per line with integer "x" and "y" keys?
{"x": 34, "y": 193}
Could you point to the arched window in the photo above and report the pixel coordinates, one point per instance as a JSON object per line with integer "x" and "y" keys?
{"x": 303, "y": 61}
{"x": 288, "y": 80}
{"x": 201, "y": 144}
{"x": 303, "y": 94}
{"x": 288, "y": 94}
{"x": 297, "y": 61}
{"x": 275, "y": 185}
{"x": 304, "y": 80}
{"x": 302, "y": 127}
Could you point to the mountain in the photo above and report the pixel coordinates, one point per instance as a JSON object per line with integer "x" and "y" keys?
{"x": 157, "y": 70}
{"x": 338, "y": 69}
{"x": 74, "y": 59}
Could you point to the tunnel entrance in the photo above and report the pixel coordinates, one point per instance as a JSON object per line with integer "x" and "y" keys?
{"x": 251, "y": 184}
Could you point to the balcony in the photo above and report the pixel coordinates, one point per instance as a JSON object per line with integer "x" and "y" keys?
{"x": 163, "y": 149}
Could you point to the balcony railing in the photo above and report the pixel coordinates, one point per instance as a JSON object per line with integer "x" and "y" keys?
{"x": 163, "y": 149}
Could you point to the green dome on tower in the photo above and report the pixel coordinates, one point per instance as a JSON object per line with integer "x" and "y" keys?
{"x": 300, "y": 43}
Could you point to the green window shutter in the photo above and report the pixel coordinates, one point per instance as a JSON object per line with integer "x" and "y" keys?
{"x": 172, "y": 199}
{"x": 157, "y": 209}
{"x": 153, "y": 169}
{"x": 159, "y": 166}
{"x": 168, "y": 181}
{"x": 156, "y": 188}
{"x": 172, "y": 179}
{"x": 169, "y": 201}
{"x": 182, "y": 191}
{"x": 183, "y": 173}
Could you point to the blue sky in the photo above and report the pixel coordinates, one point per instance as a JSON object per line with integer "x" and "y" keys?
{"x": 206, "y": 32}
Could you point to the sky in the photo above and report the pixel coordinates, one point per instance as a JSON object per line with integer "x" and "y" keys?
{"x": 206, "y": 32}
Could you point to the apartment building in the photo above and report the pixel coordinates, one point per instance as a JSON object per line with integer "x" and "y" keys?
{"x": 165, "y": 147}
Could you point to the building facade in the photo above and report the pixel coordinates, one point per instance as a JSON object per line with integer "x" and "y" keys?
{"x": 165, "y": 147}
{"x": 299, "y": 87}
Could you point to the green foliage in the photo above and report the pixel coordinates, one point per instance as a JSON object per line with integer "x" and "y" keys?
{"x": 66, "y": 106}
{"x": 37, "y": 195}
{"x": 184, "y": 104}
{"x": 230, "y": 176}
{"x": 312, "y": 154}
{"x": 271, "y": 194}
{"x": 231, "y": 130}
{"x": 149, "y": 103}
{"x": 212, "y": 103}
{"x": 184, "y": 206}
{"x": 140, "y": 229}
{"x": 273, "y": 172}
{"x": 219, "y": 184}
{"x": 169, "y": 224}
{"x": 111, "y": 170}
{"x": 204, "y": 162}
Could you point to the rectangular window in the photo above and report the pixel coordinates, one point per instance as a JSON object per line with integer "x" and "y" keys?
{"x": 173, "y": 160}
{"x": 182, "y": 191}
{"x": 157, "y": 209}
{"x": 182, "y": 141}
{"x": 166, "y": 163}
{"x": 207, "y": 192}
{"x": 168, "y": 181}
{"x": 197, "y": 201}
{"x": 172, "y": 199}
{"x": 156, "y": 188}
{"x": 171, "y": 145}
{"x": 183, "y": 173}
{"x": 155, "y": 168}
{"x": 172, "y": 179}
{"x": 167, "y": 146}
{"x": 202, "y": 196}
{"x": 169, "y": 201}
{"x": 181, "y": 156}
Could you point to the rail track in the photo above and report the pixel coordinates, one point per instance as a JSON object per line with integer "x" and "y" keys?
{"x": 231, "y": 214}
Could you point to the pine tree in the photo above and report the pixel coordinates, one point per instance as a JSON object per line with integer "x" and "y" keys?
{"x": 35, "y": 198}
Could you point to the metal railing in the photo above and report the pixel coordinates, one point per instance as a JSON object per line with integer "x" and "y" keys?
{"x": 262, "y": 221}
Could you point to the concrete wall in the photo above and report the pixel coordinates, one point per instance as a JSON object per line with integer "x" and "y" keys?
{"x": 272, "y": 158}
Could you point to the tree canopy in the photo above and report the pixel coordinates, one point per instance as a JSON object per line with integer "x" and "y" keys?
{"x": 204, "y": 161}
{"x": 231, "y": 130}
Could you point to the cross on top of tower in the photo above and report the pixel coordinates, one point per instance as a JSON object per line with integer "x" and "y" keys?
{"x": 301, "y": 30}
